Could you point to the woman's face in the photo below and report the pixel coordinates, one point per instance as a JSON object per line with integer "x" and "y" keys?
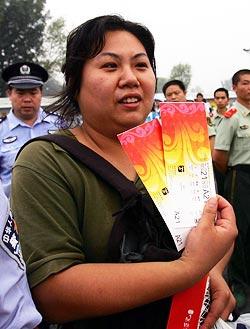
{"x": 117, "y": 86}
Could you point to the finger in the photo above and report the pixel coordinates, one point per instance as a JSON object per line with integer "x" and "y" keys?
{"x": 225, "y": 209}
{"x": 218, "y": 310}
{"x": 215, "y": 312}
{"x": 222, "y": 305}
{"x": 209, "y": 211}
{"x": 229, "y": 309}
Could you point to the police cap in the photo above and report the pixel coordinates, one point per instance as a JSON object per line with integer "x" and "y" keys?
{"x": 25, "y": 75}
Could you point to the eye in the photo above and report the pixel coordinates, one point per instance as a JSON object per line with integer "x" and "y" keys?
{"x": 109, "y": 65}
{"x": 142, "y": 65}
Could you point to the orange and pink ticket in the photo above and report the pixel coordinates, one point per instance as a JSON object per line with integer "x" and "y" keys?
{"x": 173, "y": 160}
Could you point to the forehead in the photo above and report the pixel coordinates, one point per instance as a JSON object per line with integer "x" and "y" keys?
{"x": 120, "y": 40}
{"x": 244, "y": 77}
{"x": 24, "y": 91}
{"x": 173, "y": 88}
{"x": 219, "y": 94}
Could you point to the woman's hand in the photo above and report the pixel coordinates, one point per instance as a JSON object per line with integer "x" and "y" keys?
{"x": 213, "y": 237}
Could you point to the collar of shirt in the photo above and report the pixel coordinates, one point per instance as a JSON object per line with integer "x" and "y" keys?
{"x": 244, "y": 111}
{"x": 14, "y": 121}
{"x": 217, "y": 115}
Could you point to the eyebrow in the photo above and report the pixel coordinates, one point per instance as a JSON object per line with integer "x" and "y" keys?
{"x": 107, "y": 53}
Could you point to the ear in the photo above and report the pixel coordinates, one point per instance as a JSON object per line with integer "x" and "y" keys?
{"x": 8, "y": 92}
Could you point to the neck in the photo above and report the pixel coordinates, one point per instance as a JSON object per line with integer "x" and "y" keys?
{"x": 244, "y": 103}
{"x": 95, "y": 140}
{"x": 30, "y": 122}
{"x": 221, "y": 111}
{"x": 109, "y": 148}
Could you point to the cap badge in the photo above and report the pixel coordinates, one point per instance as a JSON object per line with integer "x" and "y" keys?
{"x": 25, "y": 69}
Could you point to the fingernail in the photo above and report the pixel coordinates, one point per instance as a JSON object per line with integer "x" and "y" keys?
{"x": 212, "y": 202}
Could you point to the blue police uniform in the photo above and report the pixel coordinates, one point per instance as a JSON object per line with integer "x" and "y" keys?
{"x": 13, "y": 134}
{"x": 13, "y": 131}
{"x": 153, "y": 115}
{"x": 17, "y": 309}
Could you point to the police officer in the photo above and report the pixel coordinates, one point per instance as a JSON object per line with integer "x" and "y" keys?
{"x": 232, "y": 156}
{"x": 17, "y": 309}
{"x": 26, "y": 119}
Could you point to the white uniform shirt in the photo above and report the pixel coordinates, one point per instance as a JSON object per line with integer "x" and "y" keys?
{"x": 13, "y": 134}
{"x": 17, "y": 309}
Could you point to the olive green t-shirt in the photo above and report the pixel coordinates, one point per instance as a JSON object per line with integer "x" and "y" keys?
{"x": 63, "y": 211}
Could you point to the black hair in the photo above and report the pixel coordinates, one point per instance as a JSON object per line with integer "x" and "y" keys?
{"x": 84, "y": 43}
{"x": 174, "y": 83}
{"x": 237, "y": 75}
{"x": 222, "y": 90}
{"x": 199, "y": 94}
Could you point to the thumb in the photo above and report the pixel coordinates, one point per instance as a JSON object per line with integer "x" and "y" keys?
{"x": 210, "y": 210}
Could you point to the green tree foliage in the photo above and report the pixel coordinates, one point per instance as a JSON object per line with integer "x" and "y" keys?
{"x": 1, "y": 11}
{"x": 160, "y": 83}
{"x": 54, "y": 45}
{"x": 53, "y": 54}
{"x": 22, "y": 25}
{"x": 181, "y": 72}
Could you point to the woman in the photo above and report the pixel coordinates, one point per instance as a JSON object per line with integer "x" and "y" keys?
{"x": 110, "y": 79}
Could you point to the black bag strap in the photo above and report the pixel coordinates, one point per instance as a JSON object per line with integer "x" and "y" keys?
{"x": 93, "y": 161}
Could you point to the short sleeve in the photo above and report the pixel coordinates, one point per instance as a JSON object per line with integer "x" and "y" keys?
{"x": 225, "y": 134}
{"x": 44, "y": 207}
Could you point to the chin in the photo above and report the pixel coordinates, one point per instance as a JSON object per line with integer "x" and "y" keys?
{"x": 126, "y": 127}
{"x": 137, "y": 121}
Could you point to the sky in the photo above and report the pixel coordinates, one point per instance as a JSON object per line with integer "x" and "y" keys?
{"x": 209, "y": 35}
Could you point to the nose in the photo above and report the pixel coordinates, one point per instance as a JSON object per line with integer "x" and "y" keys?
{"x": 128, "y": 78}
{"x": 27, "y": 98}
{"x": 172, "y": 98}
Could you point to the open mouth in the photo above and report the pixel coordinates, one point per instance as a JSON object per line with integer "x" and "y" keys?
{"x": 130, "y": 100}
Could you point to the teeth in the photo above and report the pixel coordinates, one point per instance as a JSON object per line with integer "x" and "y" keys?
{"x": 130, "y": 100}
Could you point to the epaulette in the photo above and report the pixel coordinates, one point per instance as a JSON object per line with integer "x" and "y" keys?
{"x": 229, "y": 113}
{"x": 2, "y": 118}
